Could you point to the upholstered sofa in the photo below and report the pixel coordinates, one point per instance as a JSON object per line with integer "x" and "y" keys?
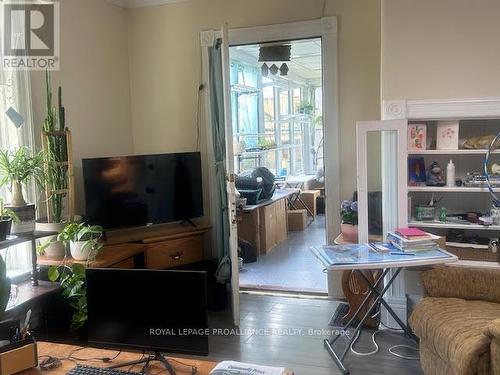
{"x": 458, "y": 321}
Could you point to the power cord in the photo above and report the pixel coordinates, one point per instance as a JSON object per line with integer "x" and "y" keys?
{"x": 375, "y": 344}
{"x": 52, "y": 362}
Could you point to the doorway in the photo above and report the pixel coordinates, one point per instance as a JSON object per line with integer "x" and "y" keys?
{"x": 278, "y": 128}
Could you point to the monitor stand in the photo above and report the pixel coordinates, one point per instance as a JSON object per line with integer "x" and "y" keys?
{"x": 157, "y": 356}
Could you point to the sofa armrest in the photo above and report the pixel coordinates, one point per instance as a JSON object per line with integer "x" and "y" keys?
{"x": 493, "y": 330}
{"x": 460, "y": 282}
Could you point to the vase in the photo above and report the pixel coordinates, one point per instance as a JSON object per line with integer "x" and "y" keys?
{"x": 80, "y": 251}
{"x": 17, "y": 195}
{"x": 350, "y": 233}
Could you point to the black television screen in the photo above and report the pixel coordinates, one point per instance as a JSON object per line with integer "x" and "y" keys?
{"x": 151, "y": 310}
{"x": 144, "y": 189}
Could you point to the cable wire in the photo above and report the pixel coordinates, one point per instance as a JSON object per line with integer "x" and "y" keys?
{"x": 375, "y": 344}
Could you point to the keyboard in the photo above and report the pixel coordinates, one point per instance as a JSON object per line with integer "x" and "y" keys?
{"x": 88, "y": 370}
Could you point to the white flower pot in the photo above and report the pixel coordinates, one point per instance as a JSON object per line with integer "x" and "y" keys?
{"x": 79, "y": 251}
{"x": 55, "y": 250}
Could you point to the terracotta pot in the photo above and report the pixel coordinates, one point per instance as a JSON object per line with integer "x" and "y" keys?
{"x": 350, "y": 232}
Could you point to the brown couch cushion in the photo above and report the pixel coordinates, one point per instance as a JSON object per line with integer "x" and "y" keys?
{"x": 466, "y": 283}
{"x": 454, "y": 329}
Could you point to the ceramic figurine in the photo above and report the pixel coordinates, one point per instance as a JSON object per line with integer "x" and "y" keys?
{"x": 435, "y": 175}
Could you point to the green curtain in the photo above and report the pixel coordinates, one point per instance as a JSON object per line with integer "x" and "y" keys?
{"x": 219, "y": 146}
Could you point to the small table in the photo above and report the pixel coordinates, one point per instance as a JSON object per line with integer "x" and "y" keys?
{"x": 362, "y": 257}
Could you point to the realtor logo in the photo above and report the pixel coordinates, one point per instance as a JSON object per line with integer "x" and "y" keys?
{"x": 31, "y": 35}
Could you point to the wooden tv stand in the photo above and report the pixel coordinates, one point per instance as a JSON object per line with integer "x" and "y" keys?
{"x": 155, "y": 247}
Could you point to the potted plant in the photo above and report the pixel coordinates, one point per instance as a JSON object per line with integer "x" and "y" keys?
{"x": 56, "y": 177}
{"x": 7, "y": 216}
{"x": 17, "y": 168}
{"x": 84, "y": 240}
{"x": 72, "y": 281}
{"x": 349, "y": 213}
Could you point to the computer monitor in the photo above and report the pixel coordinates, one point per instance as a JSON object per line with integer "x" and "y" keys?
{"x": 151, "y": 310}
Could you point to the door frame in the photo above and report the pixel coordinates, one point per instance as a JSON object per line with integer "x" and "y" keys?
{"x": 326, "y": 29}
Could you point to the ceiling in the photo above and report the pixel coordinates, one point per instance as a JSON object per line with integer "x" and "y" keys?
{"x": 305, "y": 62}
{"x": 142, "y": 3}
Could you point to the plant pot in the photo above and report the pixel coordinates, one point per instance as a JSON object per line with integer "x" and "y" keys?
{"x": 55, "y": 250}
{"x": 41, "y": 225}
{"x": 5, "y": 225}
{"x": 79, "y": 251}
{"x": 350, "y": 233}
{"x": 26, "y": 215}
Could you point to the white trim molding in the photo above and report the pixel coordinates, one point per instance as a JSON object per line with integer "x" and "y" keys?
{"x": 143, "y": 3}
{"x": 434, "y": 109}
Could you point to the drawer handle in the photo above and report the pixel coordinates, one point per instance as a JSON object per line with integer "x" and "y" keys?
{"x": 177, "y": 256}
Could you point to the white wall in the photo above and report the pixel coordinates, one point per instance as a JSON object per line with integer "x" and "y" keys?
{"x": 95, "y": 79}
{"x": 165, "y": 65}
{"x": 440, "y": 49}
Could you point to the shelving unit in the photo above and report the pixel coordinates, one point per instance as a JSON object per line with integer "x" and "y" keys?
{"x": 446, "y": 189}
{"x": 457, "y": 199}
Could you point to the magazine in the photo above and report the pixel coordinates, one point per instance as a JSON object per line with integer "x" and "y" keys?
{"x": 238, "y": 368}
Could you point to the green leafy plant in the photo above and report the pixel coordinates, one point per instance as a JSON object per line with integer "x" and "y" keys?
{"x": 72, "y": 281}
{"x": 306, "y": 108}
{"x": 82, "y": 232}
{"x": 20, "y": 167}
{"x": 7, "y": 213}
{"x": 57, "y": 155}
{"x": 349, "y": 212}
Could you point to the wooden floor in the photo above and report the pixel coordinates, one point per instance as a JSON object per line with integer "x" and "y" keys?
{"x": 302, "y": 350}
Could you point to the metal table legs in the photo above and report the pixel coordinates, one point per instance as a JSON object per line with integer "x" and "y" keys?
{"x": 374, "y": 292}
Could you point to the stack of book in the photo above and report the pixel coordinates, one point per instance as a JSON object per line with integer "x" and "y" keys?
{"x": 412, "y": 240}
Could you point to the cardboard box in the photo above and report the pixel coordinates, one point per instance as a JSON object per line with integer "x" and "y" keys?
{"x": 309, "y": 198}
{"x": 19, "y": 359}
{"x": 297, "y": 220}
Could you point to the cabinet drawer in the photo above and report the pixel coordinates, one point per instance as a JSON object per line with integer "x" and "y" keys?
{"x": 173, "y": 253}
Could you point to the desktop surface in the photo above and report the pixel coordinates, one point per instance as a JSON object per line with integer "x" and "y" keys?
{"x": 61, "y": 350}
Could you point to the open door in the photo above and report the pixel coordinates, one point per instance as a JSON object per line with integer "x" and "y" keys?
{"x": 381, "y": 176}
{"x": 382, "y": 194}
{"x": 231, "y": 188}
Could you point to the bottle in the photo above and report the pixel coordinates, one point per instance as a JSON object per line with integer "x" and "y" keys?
{"x": 450, "y": 174}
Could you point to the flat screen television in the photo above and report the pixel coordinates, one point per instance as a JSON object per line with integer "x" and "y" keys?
{"x": 144, "y": 189}
{"x": 152, "y": 310}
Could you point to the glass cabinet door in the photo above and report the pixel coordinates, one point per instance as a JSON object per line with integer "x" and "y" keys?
{"x": 381, "y": 178}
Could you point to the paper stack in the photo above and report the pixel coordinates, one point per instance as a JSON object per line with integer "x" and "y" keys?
{"x": 412, "y": 240}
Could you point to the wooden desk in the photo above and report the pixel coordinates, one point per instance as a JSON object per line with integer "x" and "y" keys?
{"x": 61, "y": 350}
{"x": 265, "y": 224}
{"x": 109, "y": 256}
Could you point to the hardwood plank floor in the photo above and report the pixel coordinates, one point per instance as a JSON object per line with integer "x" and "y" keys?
{"x": 263, "y": 317}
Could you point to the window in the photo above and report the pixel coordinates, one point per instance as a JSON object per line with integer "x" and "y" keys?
{"x": 15, "y": 95}
{"x": 277, "y": 117}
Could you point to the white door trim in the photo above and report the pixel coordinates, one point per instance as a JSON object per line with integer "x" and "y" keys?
{"x": 326, "y": 28}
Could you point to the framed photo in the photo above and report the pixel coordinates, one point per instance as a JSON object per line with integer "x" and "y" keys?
{"x": 417, "y": 137}
{"x": 447, "y": 135}
{"x": 416, "y": 172}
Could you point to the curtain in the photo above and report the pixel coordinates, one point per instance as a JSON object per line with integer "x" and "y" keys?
{"x": 216, "y": 88}
{"x": 15, "y": 100}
